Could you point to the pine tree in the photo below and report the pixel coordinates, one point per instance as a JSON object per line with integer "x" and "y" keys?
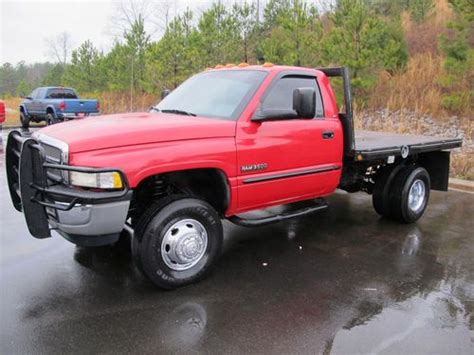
{"x": 293, "y": 32}
{"x": 84, "y": 72}
{"x": 363, "y": 41}
{"x": 217, "y": 36}
{"x": 176, "y": 56}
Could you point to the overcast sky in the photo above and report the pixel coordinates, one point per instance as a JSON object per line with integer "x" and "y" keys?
{"x": 25, "y": 25}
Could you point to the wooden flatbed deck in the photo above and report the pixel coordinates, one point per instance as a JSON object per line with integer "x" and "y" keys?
{"x": 378, "y": 145}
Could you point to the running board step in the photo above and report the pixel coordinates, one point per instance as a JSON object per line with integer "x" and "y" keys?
{"x": 245, "y": 222}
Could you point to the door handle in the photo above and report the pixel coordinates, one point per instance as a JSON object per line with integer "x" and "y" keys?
{"x": 328, "y": 135}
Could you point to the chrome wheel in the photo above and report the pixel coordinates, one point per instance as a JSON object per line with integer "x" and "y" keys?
{"x": 184, "y": 244}
{"x": 417, "y": 195}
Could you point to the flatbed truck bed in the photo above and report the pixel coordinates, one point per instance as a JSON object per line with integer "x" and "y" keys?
{"x": 372, "y": 145}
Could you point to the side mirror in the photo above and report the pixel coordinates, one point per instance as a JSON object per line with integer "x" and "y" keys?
{"x": 165, "y": 93}
{"x": 304, "y": 102}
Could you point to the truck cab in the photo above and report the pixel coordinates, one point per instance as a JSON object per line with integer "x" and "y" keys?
{"x": 229, "y": 140}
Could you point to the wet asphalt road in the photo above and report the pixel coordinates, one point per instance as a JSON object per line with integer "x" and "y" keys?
{"x": 342, "y": 282}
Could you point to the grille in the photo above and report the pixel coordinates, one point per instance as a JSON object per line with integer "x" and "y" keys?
{"x": 54, "y": 155}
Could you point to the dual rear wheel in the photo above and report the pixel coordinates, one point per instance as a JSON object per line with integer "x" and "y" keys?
{"x": 402, "y": 193}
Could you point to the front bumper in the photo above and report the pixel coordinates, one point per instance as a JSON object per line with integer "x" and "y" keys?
{"x": 84, "y": 217}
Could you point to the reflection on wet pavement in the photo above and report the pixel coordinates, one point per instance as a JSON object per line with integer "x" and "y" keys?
{"x": 343, "y": 281}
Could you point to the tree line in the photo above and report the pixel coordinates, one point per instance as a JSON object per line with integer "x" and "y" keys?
{"x": 365, "y": 35}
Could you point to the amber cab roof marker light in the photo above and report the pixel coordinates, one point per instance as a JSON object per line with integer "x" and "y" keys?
{"x": 229, "y": 65}
{"x": 219, "y": 66}
{"x": 267, "y": 65}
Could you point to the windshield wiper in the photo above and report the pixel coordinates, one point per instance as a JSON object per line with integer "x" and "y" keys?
{"x": 154, "y": 108}
{"x": 178, "y": 112}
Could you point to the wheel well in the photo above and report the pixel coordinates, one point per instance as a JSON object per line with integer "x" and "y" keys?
{"x": 209, "y": 185}
{"x": 50, "y": 110}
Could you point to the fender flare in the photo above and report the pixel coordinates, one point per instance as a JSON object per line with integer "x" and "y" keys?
{"x": 52, "y": 108}
{"x": 22, "y": 106}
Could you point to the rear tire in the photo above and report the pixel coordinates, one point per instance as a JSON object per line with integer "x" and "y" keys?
{"x": 177, "y": 242}
{"x": 50, "y": 119}
{"x": 25, "y": 120}
{"x": 409, "y": 194}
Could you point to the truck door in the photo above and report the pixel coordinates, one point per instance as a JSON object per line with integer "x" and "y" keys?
{"x": 29, "y": 103}
{"x": 288, "y": 160}
{"x": 39, "y": 103}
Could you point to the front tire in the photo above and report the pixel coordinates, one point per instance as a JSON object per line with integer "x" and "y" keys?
{"x": 177, "y": 243}
{"x": 24, "y": 120}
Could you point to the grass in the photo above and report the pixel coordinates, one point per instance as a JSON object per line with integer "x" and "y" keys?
{"x": 113, "y": 102}
{"x": 415, "y": 88}
{"x": 13, "y": 116}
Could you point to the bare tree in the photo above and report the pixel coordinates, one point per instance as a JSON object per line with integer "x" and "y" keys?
{"x": 155, "y": 13}
{"x": 59, "y": 47}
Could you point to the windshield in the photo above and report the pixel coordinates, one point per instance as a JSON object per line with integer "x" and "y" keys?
{"x": 217, "y": 94}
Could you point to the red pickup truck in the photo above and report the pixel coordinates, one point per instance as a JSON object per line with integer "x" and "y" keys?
{"x": 227, "y": 141}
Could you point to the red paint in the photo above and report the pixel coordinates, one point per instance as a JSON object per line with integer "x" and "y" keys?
{"x": 2, "y": 111}
{"x": 144, "y": 144}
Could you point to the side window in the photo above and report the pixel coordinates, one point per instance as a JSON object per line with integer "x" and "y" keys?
{"x": 40, "y": 93}
{"x": 281, "y": 95}
{"x": 33, "y": 94}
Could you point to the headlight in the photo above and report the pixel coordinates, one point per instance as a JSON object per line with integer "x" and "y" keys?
{"x": 108, "y": 180}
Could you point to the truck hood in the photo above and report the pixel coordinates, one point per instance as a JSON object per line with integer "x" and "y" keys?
{"x": 118, "y": 130}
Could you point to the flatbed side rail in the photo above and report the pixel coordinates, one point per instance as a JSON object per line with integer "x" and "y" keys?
{"x": 417, "y": 148}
